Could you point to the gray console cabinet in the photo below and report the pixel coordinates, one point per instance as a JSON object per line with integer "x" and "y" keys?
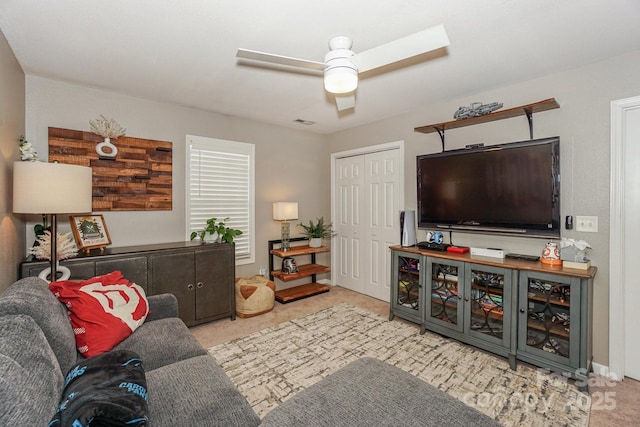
{"x": 201, "y": 276}
{"x": 517, "y": 309}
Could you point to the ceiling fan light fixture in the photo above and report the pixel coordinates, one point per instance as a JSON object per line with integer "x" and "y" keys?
{"x": 340, "y": 80}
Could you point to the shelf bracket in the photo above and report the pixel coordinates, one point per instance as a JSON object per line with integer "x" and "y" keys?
{"x": 529, "y": 113}
{"x": 441, "y": 133}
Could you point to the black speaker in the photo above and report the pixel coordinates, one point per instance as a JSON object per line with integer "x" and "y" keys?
{"x": 407, "y": 228}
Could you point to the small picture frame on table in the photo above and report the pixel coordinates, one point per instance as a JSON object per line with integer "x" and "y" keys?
{"x": 90, "y": 231}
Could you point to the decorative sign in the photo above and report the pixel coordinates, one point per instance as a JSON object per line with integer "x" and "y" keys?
{"x": 138, "y": 178}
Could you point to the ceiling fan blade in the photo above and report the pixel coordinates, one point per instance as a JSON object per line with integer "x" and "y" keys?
{"x": 345, "y": 102}
{"x": 279, "y": 59}
{"x": 415, "y": 44}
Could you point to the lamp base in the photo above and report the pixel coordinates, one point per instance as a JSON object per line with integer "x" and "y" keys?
{"x": 62, "y": 273}
{"x": 285, "y": 234}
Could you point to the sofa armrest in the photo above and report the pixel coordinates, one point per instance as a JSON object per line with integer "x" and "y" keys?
{"x": 162, "y": 306}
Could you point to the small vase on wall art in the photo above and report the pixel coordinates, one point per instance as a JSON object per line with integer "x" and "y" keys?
{"x": 317, "y": 231}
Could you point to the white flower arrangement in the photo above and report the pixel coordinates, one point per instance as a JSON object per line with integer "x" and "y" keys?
{"x": 66, "y": 247}
{"x": 27, "y": 152}
{"x": 106, "y": 128}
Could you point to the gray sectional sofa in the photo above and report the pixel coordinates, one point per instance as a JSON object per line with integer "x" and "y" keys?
{"x": 186, "y": 387}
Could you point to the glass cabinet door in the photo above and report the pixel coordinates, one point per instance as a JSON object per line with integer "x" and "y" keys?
{"x": 444, "y": 305}
{"x": 489, "y": 303}
{"x": 552, "y": 323}
{"x": 409, "y": 282}
{"x": 405, "y": 286}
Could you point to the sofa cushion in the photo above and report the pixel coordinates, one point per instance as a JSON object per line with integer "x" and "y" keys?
{"x": 196, "y": 392}
{"x": 30, "y": 377}
{"x": 31, "y": 296}
{"x": 109, "y": 389}
{"x": 162, "y": 342}
{"x": 104, "y": 310}
{"x": 369, "y": 392}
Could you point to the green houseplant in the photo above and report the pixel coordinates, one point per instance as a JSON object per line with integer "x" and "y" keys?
{"x": 315, "y": 232}
{"x": 217, "y": 228}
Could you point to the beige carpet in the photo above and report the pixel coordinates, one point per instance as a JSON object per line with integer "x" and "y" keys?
{"x": 273, "y": 364}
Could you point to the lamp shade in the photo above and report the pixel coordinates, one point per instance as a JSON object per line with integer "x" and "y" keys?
{"x": 51, "y": 188}
{"x": 283, "y": 211}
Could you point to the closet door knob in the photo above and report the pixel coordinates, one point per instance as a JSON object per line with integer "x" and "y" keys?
{"x": 190, "y": 286}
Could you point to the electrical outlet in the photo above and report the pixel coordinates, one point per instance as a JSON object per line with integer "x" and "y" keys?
{"x": 588, "y": 224}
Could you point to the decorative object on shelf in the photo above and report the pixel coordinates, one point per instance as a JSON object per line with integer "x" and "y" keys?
{"x": 283, "y": 212}
{"x": 66, "y": 248}
{"x": 51, "y": 188}
{"x": 289, "y": 266}
{"x": 551, "y": 254}
{"x": 218, "y": 231}
{"x": 27, "y": 152}
{"x": 476, "y": 109}
{"x": 573, "y": 253}
{"x": 318, "y": 231}
{"x": 90, "y": 231}
{"x": 106, "y": 128}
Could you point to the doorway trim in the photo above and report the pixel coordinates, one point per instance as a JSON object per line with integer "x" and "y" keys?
{"x": 396, "y": 145}
{"x": 617, "y": 238}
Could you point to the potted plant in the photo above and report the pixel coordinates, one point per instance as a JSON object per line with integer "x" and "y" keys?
{"x": 218, "y": 230}
{"x": 315, "y": 232}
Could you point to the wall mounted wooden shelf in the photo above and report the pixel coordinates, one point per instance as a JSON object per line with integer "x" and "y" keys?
{"x": 527, "y": 110}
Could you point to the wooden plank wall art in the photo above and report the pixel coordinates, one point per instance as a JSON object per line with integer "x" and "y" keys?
{"x": 138, "y": 178}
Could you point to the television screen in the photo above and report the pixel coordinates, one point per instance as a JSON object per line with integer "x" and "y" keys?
{"x": 509, "y": 188}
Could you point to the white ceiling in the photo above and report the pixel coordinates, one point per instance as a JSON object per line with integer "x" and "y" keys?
{"x": 183, "y": 52}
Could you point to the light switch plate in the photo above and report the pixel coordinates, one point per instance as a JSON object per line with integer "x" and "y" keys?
{"x": 588, "y": 224}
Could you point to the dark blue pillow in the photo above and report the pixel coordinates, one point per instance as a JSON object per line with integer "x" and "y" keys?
{"x": 106, "y": 390}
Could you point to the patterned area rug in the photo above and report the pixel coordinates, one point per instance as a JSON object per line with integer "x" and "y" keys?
{"x": 275, "y": 363}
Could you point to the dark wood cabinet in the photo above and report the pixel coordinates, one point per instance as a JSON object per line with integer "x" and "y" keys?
{"x": 200, "y": 275}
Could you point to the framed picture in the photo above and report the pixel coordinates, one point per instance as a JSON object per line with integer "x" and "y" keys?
{"x": 90, "y": 231}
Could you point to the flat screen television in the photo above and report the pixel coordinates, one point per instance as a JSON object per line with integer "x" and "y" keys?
{"x": 511, "y": 188}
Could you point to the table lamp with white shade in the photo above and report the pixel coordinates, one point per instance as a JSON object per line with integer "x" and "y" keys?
{"x": 51, "y": 188}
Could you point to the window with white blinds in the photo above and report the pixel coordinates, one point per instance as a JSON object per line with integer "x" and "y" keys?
{"x": 220, "y": 184}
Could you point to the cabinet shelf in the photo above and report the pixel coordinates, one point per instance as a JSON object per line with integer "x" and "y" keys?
{"x": 413, "y": 272}
{"x": 557, "y": 330}
{"x": 527, "y": 110}
{"x": 551, "y": 301}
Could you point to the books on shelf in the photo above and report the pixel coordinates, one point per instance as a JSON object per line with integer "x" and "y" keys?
{"x": 578, "y": 265}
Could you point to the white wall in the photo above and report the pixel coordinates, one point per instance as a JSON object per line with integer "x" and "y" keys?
{"x": 12, "y": 243}
{"x": 582, "y": 122}
{"x": 290, "y": 165}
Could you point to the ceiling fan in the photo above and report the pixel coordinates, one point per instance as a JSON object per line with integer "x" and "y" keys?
{"x": 341, "y": 65}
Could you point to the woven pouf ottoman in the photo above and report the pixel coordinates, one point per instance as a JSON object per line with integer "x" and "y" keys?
{"x": 254, "y": 296}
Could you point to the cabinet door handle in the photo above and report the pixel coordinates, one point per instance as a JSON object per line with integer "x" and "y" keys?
{"x": 466, "y": 299}
{"x": 200, "y": 284}
{"x": 522, "y": 310}
{"x": 190, "y": 286}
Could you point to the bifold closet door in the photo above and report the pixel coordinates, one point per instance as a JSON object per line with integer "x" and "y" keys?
{"x": 368, "y": 206}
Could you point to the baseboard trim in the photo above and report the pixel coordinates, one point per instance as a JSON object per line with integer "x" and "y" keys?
{"x": 604, "y": 371}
